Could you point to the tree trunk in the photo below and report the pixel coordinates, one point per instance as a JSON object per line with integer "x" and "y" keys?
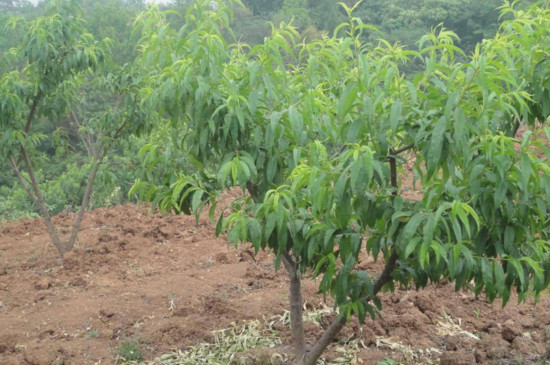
{"x": 296, "y": 303}
{"x": 39, "y": 199}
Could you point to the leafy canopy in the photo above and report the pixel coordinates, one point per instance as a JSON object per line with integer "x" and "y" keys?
{"x": 42, "y": 74}
{"x": 314, "y": 132}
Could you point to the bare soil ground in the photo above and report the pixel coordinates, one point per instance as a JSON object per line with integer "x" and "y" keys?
{"x": 166, "y": 283}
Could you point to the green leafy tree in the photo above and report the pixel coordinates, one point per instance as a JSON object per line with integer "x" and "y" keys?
{"x": 294, "y": 11}
{"x": 41, "y": 80}
{"x": 113, "y": 19}
{"x": 326, "y": 14}
{"x": 406, "y": 21}
{"x": 262, "y": 7}
{"x": 315, "y": 134}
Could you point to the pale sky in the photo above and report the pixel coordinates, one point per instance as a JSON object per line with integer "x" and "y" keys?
{"x": 147, "y": 1}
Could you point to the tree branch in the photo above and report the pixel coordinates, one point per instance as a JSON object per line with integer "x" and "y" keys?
{"x": 85, "y": 199}
{"x": 402, "y": 149}
{"x": 339, "y": 322}
{"x": 30, "y": 116}
{"x": 22, "y": 180}
{"x": 393, "y": 174}
{"x": 252, "y": 191}
{"x": 86, "y": 138}
{"x": 385, "y": 277}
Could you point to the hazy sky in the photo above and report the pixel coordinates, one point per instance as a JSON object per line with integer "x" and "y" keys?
{"x": 147, "y": 1}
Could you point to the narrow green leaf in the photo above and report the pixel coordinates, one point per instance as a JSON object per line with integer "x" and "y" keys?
{"x": 395, "y": 115}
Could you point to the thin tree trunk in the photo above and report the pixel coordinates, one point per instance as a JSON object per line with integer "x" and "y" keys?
{"x": 38, "y": 198}
{"x": 42, "y": 205}
{"x": 30, "y": 117}
{"x": 296, "y": 310}
{"x": 85, "y": 201}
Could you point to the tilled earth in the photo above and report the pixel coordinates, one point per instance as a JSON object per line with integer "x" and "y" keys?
{"x": 166, "y": 283}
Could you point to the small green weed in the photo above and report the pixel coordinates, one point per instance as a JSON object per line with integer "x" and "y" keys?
{"x": 130, "y": 351}
{"x": 92, "y": 333}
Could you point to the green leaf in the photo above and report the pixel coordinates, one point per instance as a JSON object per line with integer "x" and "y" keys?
{"x": 340, "y": 187}
{"x": 255, "y": 233}
{"x": 395, "y": 115}
{"x": 436, "y": 145}
{"x": 275, "y": 118}
{"x": 346, "y": 100}
{"x": 472, "y": 214}
{"x": 219, "y": 225}
{"x": 519, "y": 270}
{"x": 196, "y": 200}
{"x": 539, "y": 272}
{"x": 423, "y": 256}
{"x": 411, "y": 227}
{"x": 457, "y": 209}
{"x": 270, "y": 225}
{"x": 271, "y": 169}
{"x": 411, "y": 246}
{"x": 224, "y": 172}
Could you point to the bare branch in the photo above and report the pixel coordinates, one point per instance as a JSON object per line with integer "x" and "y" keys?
{"x": 86, "y": 138}
{"x": 402, "y": 149}
{"x": 30, "y": 116}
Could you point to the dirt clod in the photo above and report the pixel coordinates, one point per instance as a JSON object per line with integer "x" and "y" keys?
{"x": 457, "y": 358}
{"x": 510, "y": 331}
{"x": 42, "y": 283}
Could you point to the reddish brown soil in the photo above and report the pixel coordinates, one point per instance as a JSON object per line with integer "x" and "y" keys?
{"x": 166, "y": 283}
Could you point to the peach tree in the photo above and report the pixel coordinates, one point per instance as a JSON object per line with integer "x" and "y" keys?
{"x": 42, "y": 80}
{"x": 315, "y": 134}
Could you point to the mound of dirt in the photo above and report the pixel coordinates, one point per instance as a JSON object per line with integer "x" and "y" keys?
{"x": 166, "y": 282}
